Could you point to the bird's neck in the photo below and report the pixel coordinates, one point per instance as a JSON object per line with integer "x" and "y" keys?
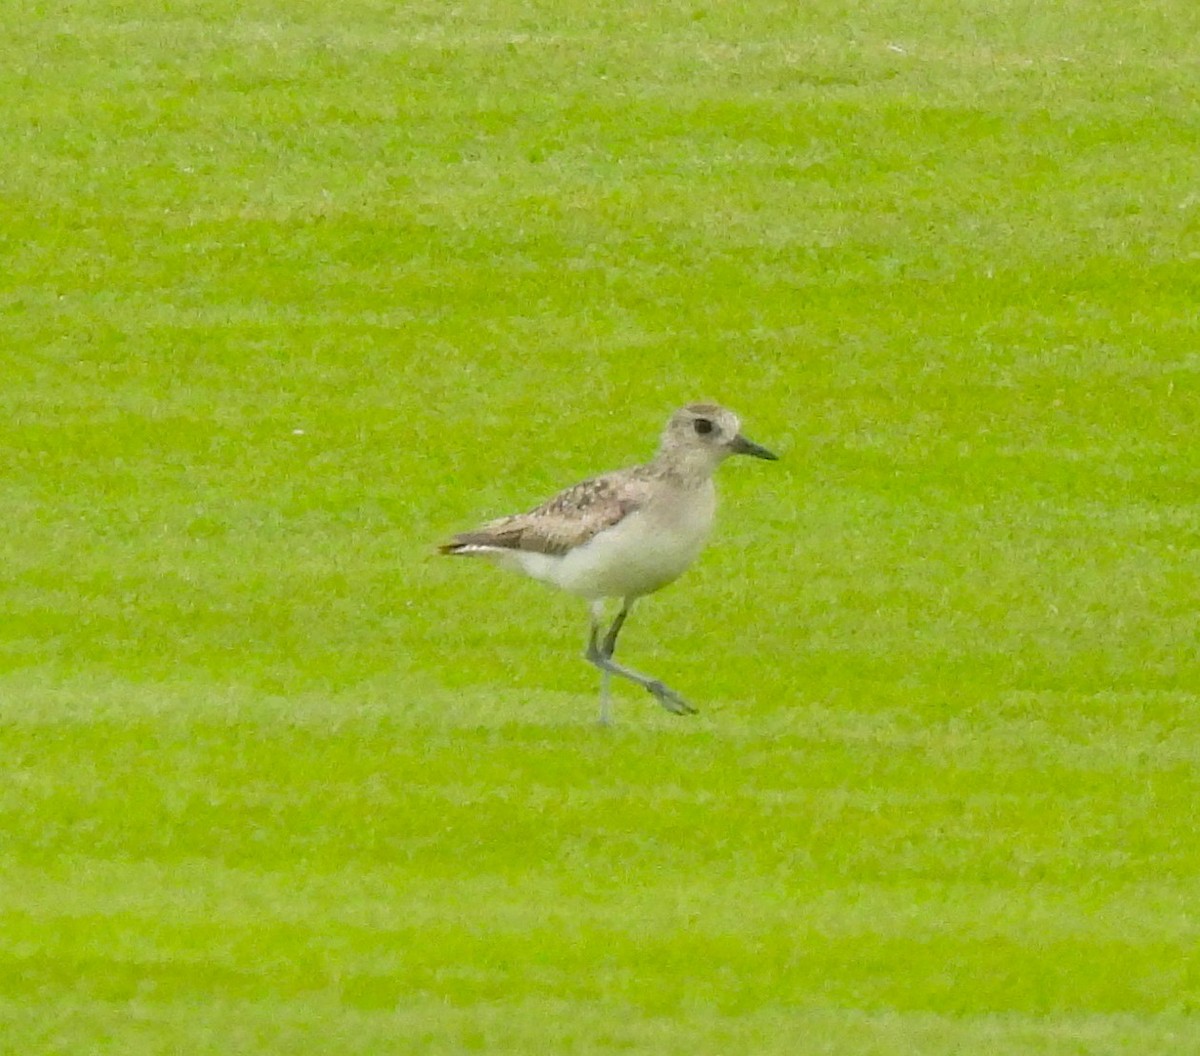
{"x": 688, "y": 467}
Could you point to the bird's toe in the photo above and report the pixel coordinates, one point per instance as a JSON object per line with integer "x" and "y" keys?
{"x": 670, "y": 700}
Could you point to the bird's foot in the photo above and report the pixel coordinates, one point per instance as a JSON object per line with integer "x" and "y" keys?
{"x": 669, "y": 699}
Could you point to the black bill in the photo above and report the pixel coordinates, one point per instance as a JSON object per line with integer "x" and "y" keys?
{"x": 741, "y": 446}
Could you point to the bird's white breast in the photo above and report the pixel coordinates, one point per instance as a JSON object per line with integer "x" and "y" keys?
{"x": 648, "y": 549}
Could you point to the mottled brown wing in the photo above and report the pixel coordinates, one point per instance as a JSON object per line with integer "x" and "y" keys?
{"x": 566, "y": 521}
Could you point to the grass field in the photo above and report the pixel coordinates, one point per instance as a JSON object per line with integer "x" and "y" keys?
{"x": 290, "y": 291}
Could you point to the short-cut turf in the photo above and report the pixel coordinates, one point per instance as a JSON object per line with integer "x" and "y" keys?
{"x": 291, "y": 291}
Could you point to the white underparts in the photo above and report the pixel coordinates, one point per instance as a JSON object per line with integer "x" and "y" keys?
{"x": 643, "y": 552}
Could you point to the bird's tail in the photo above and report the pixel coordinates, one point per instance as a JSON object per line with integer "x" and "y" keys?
{"x": 469, "y": 543}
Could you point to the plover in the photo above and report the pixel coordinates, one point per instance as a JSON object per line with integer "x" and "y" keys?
{"x": 624, "y": 534}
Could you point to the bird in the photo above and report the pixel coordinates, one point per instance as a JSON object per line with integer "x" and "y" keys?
{"x": 622, "y": 535}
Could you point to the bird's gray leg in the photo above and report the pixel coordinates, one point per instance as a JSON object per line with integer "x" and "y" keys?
{"x": 600, "y": 655}
{"x": 592, "y": 654}
{"x": 610, "y": 639}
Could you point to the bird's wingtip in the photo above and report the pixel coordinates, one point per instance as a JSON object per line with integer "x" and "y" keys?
{"x": 470, "y": 543}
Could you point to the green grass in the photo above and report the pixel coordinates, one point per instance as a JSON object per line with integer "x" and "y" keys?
{"x": 290, "y": 291}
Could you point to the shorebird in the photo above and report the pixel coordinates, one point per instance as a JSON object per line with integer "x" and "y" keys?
{"x": 622, "y": 535}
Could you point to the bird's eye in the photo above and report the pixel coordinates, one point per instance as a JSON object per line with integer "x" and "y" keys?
{"x": 703, "y": 426}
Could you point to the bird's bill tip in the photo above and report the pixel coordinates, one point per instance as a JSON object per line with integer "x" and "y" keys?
{"x": 742, "y": 446}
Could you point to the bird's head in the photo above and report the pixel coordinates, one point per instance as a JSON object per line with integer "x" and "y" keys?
{"x": 707, "y": 434}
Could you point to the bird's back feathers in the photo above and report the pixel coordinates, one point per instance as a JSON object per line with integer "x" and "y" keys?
{"x": 570, "y": 519}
